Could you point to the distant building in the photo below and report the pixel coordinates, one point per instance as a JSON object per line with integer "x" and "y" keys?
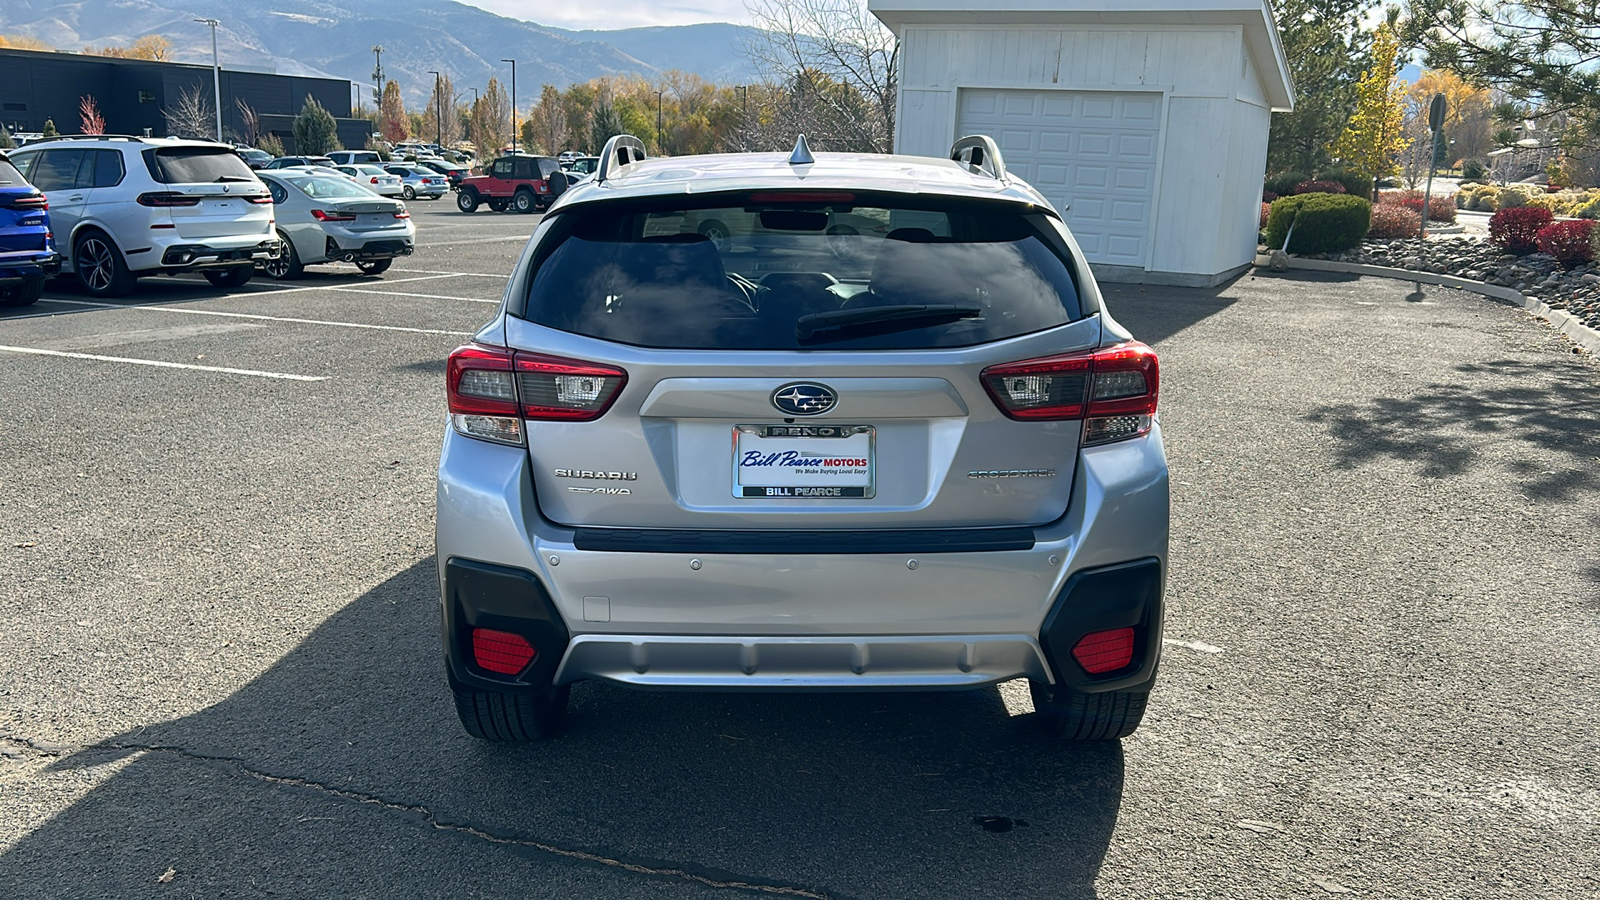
{"x": 131, "y": 94}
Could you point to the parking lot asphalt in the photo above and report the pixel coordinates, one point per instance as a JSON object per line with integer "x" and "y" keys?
{"x": 222, "y": 674}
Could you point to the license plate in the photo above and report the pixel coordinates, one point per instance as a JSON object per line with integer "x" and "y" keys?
{"x": 803, "y": 462}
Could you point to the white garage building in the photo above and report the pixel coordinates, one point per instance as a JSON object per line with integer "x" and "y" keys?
{"x": 1144, "y": 122}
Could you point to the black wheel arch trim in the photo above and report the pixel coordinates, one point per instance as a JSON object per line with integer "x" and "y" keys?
{"x": 483, "y": 595}
{"x": 1125, "y": 595}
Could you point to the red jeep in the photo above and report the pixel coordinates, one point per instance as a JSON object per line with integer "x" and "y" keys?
{"x": 519, "y": 181}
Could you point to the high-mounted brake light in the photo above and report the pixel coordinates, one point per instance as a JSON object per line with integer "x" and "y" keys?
{"x": 1114, "y": 390}
{"x": 162, "y": 199}
{"x": 491, "y": 391}
{"x": 322, "y": 216}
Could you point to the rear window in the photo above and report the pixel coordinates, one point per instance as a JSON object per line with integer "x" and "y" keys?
{"x": 330, "y": 187}
{"x": 9, "y": 176}
{"x": 196, "y": 165}
{"x": 785, "y": 272}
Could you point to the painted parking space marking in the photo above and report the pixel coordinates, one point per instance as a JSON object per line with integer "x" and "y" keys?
{"x": 258, "y": 289}
{"x": 160, "y": 364}
{"x": 485, "y": 240}
{"x": 462, "y": 274}
{"x": 1202, "y": 646}
{"x": 146, "y": 336}
{"x": 234, "y": 315}
{"x": 404, "y": 294}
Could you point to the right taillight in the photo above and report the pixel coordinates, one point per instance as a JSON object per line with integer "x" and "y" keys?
{"x": 165, "y": 199}
{"x": 491, "y": 390}
{"x": 1113, "y": 390}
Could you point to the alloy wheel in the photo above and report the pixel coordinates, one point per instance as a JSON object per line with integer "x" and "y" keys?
{"x": 95, "y": 263}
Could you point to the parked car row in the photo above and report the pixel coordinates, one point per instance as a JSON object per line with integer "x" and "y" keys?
{"x": 120, "y": 208}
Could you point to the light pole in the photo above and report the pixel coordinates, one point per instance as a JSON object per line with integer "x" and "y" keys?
{"x": 438, "y": 110}
{"x": 659, "y": 148}
{"x": 513, "y": 103}
{"x": 216, "y": 71}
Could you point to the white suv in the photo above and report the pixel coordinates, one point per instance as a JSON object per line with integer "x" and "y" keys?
{"x": 125, "y": 207}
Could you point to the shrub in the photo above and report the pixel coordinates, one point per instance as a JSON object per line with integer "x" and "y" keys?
{"x": 1391, "y": 221}
{"x": 1319, "y": 187}
{"x": 1323, "y": 223}
{"x": 269, "y": 143}
{"x": 1511, "y": 198}
{"x": 1441, "y": 208}
{"x": 1589, "y": 210}
{"x": 1354, "y": 182}
{"x": 1266, "y": 210}
{"x": 1283, "y": 183}
{"x": 1486, "y": 199}
{"x": 1568, "y": 242}
{"x": 1516, "y": 229}
{"x": 1268, "y": 196}
{"x": 1473, "y": 169}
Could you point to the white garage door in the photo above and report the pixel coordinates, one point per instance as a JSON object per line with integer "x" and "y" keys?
{"x": 1091, "y": 152}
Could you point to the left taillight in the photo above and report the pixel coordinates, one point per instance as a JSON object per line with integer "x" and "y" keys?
{"x": 492, "y": 390}
{"x": 1113, "y": 390}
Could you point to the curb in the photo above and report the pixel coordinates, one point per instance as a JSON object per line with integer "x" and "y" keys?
{"x": 1563, "y": 321}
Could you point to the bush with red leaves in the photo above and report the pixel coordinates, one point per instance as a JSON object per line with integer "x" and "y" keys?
{"x": 1568, "y": 242}
{"x": 1268, "y": 196}
{"x": 1441, "y": 208}
{"x": 1266, "y": 210}
{"x": 1517, "y": 229}
{"x": 1319, "y": 187}
{"x": 1390, "y": 220}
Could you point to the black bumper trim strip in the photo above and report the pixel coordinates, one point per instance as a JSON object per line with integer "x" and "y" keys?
{"x": 662, "y": 540}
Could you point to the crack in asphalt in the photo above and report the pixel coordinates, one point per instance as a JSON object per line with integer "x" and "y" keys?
{"x": 53, "y": 749}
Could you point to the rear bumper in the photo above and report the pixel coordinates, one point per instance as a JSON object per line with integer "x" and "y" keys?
{"x": 356, "y": 249}
{"x": 16, "y": 268}
{"x": 206, "y": 256}
{"x": 708, "y": 618}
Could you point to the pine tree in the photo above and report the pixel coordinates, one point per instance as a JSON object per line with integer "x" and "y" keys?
{"x": 315, "y": 132}
{"x": 1374, "y": 136}
{"x": 49, "y": 129}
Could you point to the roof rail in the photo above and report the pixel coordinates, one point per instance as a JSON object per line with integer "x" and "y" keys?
{"x": 979, "y": 153}
{"x": 621, "y": 151}
{"x": 89, "y": 137}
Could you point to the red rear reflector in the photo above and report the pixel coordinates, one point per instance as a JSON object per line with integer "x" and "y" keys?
{"x": 1104, "y": 651}
{"x": 803, "y": 197}
{"x": 501, "y": 651}
{"x": 1114, "y": 390}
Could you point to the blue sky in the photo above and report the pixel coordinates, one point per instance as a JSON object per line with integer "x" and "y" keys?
{"x": 619, "y": 13}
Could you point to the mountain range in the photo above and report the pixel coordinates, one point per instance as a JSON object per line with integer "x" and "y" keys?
{"x": 326, "y": 38}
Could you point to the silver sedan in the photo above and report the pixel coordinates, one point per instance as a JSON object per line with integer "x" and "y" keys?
{"x": 324, "y": 218}
{"x": 374, "y": 179}
{"x": 417, "y": 181}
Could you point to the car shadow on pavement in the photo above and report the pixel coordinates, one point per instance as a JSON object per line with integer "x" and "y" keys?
{"x": 1551, "y": 406}
{"x": 1156, "y": 312}
{"x": 834, "y": 795}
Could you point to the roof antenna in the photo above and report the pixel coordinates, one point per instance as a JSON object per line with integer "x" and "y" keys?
{"x": 802, "y": 153}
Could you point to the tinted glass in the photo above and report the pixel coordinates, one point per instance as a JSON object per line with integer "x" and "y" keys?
{"x": 24, "y": 162}
{"x": 196, "y": 165}
{"x": 56, "y": 170}
{"x": 9, "y": 176}
{"x": 502, "y": 168}
{"x": 741, "y": 276}
{"x": 279, "y": 194}
{"x": 526, "y": 169}
{"x": 107, "y": 168}
{"x": 333, "y": 187}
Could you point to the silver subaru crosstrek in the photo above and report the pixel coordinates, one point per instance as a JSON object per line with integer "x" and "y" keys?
{"x": 831, "y": 422}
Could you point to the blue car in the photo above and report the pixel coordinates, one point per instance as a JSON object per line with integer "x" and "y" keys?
{"x": 27, "y": 248}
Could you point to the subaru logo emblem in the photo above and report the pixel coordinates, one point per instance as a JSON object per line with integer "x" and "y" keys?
{"x": 803, "y": 398}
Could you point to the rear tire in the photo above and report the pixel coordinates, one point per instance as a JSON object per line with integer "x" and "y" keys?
{"x": 467, "y": 201}
{"x": 408, "y": 192}
{"x": 506, "y": 718}
{"x": 99, "y": 265}
{"x": 524, "y": 202}
{"x": 287, "y": 266}
{"x": 24, "y": 294}
{"x": 374, "y": 266}
{"x": 1075, "y": 716}
{"x": 497, "y": 205}
{"x": 231, "y": 277}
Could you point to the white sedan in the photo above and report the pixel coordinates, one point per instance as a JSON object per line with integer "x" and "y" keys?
{"x": 374, "y": 179}
{"x": 324, "y": 218}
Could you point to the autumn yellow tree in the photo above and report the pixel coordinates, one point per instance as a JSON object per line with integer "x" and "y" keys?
{"x": 22, "y": 42}
{"x": 151, "y": 46}
{"x": 1375, "y": 135}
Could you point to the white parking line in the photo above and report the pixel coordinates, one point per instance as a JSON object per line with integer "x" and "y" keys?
{"x": 163, "y": 365}
{"x": 404, "y": 294}
{"x": 1192, "y": 645}
{"x": 233, "y": 315}
{"x": 274, "y": 289}
{"x": 486, "y": 240}
{"x": 463, "y": 274}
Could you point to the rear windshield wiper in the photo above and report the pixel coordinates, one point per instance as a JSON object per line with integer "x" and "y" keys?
{"x": 839, "y": 324}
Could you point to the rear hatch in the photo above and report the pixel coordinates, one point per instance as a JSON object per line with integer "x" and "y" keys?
{"x": 24, "y": 223}
{"x": 210, "y": 193}
{"x": 819, "y": 365}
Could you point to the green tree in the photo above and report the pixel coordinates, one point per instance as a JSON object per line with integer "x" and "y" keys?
{"x": 269, "y": 143}
{"x": 1326, "y": 49}
{"x": 315, "y": 132}
{"x": 1538, "y": 51}
{"x": 5, "y": 139}
{"x": 1374, "y": 136}
{"x": 604, "y": 125}
{"x": 49, "y": 129}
